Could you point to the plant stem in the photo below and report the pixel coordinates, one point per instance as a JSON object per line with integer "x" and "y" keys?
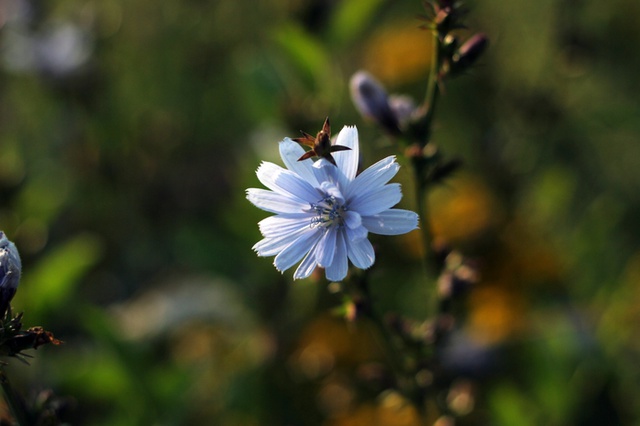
{"x": 421, "y": 167}
{"x": 15, "y": 404}
{"x": 384, "y": 337}
{"x": 432, "y": 84}
{"x": 425, "y": 222}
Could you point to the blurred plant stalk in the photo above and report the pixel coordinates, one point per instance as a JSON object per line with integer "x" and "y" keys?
{"x": 412, "y": 124}
{"x": 13, "y": 339}
{"x": 412, "y": 347}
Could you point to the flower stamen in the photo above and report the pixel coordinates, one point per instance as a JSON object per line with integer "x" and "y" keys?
{"x": 328, "y": 211}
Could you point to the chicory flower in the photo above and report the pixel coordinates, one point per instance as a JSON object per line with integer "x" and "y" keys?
{"x": 324, "y": 212}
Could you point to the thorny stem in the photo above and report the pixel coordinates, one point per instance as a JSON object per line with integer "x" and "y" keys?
{"x": 15, "y": 404}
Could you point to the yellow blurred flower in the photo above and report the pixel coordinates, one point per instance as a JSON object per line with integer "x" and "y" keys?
{"x": 391, "y": 410}
{"x": 462, "y": 210}
{"x": 328, "y": 341}
{"x": 399, "y": 53}
{"x": 495, "y": 314}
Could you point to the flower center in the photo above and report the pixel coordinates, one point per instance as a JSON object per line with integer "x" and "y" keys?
{"x": 329, "y": 211}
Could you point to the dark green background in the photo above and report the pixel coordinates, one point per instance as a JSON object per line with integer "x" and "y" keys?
{"x": 123, "y": 165}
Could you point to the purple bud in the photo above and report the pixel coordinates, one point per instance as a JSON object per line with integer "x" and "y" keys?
{"x": 372, "y": 101}
{"x": 469, "y": 52}
{"x": 403, "y": 108}
{"x": 10, "y": 270}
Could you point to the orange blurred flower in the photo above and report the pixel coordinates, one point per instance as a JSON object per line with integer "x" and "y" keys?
{"x": 462, "y": 210}
{"x": 399, "y": 53}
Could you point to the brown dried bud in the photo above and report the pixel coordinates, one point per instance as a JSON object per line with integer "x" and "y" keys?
{"x": 414, "y": 152}
{"x": 320, "y": 145}
{"x": 446, "y": 169}
{"x": 33, "y": 338}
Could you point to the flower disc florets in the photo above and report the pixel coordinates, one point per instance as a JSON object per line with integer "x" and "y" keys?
{"x": 329, "y": 212}
{"x": 324, "y": 212}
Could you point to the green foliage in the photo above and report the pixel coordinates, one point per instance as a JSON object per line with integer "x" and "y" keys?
{"x": 124, "y": 178}
{"x": 307, "y": 56}
{"x": 51, "y": 287}
{"x": 350, "y": 19}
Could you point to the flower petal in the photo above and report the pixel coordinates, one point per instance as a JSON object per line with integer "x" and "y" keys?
{"x": 292, "y": 253}
{"x": 361, "y": 253}
{"x": 326, "y": 247}
{"x": 338, "y": 268}
{"x": 347, "y": 161}
{"x": 352, "y": 219}
{"x": 272, "y": 245}
{"x": 290, "y": 151}
{"x": 286, "y": 182}
{"x": 325, "y": 172}
{"x": 274, "y": 226}
{"x": 306, "y": 267}
{"x": 356, "y": 234}
{"x": 267, "y": 247}
{"x": 331, "y": 190}
{"x": 374, "y": 202}
{"x": 373, "y": 177}
{"x": 276, "y": 203}
{"x": 391, "y": 222}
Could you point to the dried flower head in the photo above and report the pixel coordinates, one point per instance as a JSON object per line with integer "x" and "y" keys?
{"x": 320, "y": 145}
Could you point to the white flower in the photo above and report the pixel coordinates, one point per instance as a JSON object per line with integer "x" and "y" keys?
{"x": 326, "y": 212}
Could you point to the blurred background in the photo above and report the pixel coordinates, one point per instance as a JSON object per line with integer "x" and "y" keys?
{"x": 129, "y": 131}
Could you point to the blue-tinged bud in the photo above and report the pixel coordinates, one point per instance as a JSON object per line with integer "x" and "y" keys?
{"x": 404, "y": 109}
{"x": 372, "y": 101}
{"x": 10, "y": 270}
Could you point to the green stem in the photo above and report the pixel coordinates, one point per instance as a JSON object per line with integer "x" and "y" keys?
{"x": 15, "y": 404}
{"x": 421, "y": 167}
{"x": 384, "y": 337}
{"x": 432, "y": 84}
{"x": 421, "y": 172}
{"x": 425, "y": 222}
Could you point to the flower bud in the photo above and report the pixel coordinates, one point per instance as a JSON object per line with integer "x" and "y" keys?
{"x": 403, "y": 108}
{"x": 10, "y": 270}
{"x": 372, "y": 102}
{"x": 469, "y": 53}
{"x": 445, "y": 169}
{"x": 446, "y": 3}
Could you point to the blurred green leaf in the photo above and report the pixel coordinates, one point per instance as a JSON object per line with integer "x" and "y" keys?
{"x": 305, "y": 53}
{"x": 351, "y": 18}
{"x": 49, "y": 286}
{"x": 551, "y": 196}
{"x": 511, "y": 408}
{"x": 11, "y": 162}
{"x": 125, "y": 358}
{"x": 46, "y": 191}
